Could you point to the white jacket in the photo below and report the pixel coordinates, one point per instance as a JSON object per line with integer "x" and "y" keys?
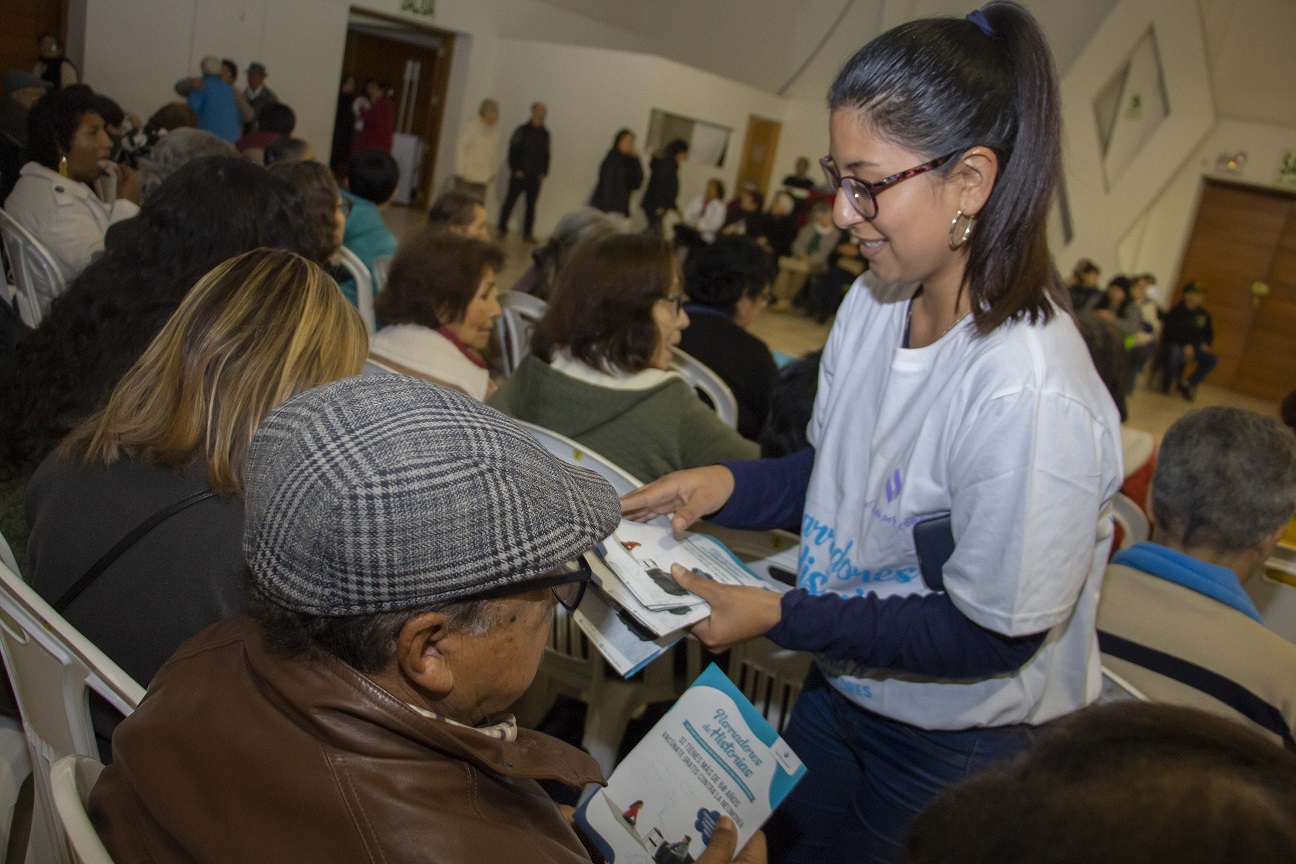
{"x": 477, "y": 154}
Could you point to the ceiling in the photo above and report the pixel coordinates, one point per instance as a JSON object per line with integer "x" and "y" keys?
{"x": 764, "y": 42}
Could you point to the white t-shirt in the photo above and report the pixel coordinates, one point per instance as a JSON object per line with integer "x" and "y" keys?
{"x": 1016, "y": 437}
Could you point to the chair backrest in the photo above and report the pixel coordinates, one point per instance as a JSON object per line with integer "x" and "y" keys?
{"x": 364, "y": 286}
{"x": 37, "y": 277}
{"x": 770, "y": 677}
{"x": 1117, "y": 689}
{"x": 521, "y": 312}
{"x": 381, "y": 267}
{"x": 1132, "y": 520}
{"x": 71, "y": 779}
{"x": 1274, "y": 592}
{"x": 52, "y": 668}
{"x": 700, "y": 376}
{"x": 576, "y": 454}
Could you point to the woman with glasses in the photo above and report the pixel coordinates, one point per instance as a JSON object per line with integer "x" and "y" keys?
{"x": 953, "y": 504}
{"x": 600, "y": 372}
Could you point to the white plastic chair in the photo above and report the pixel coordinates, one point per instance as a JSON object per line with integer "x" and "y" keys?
{"x": 702, "y": 378}
{"x": 364, "y": 286}
{"x": 52, "y": 668}
{"x": 513, "y": 329}
{"x": 1275, "y": 598}
{"x": 770, "y": 677}
{"x": 381, "y": 267}
{"x": 1132, "y": 519}
{"x": 36, "y": 276}
{"x": 1117, "y": 689}
{"x": 71, "y": 779}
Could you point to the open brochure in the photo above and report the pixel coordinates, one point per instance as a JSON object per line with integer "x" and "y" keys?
{"x": 622, "y": 641}
{"x": 712, "y": 754}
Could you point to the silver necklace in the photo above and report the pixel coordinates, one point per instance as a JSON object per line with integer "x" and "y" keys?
{"x": 909, "y": 323}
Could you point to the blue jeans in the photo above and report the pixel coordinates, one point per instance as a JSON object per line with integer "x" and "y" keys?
{"x": 868, "y": 776}
{"x": 1174, "y": 365}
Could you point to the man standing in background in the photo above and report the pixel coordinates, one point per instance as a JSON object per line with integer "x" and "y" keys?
{"x": 528, "y": 159}
{"x": 477, "y": 153}
{"x": 214, "y": 100}
{"x": 257, "y": 95}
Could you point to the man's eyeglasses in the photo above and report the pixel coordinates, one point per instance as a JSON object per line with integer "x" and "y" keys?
{"x": 862, "y": 194}
{"x": 566, "y": 583}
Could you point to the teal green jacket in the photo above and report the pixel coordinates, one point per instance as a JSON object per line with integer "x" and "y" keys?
{"x": 646, "y": 432}
{"x": 366, "y": 235}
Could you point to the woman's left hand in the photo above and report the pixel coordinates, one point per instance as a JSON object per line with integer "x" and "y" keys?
{"x": 738, "y": 612}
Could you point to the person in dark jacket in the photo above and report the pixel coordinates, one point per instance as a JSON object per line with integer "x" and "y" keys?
{"x": 620, "y": 174}
{"x": 1186, "y": 338}
{"x": 663, "y": 183}
{"x": 343, "y": 125}
{"x": 728, "y": 286}
{"x": 528, "y": 158}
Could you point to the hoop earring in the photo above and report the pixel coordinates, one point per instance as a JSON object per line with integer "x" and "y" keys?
{"x": 967, "y": 230}
{"x": 63, "y": 169}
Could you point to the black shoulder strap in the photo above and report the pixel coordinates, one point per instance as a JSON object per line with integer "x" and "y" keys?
{"x": 106, "y": 560}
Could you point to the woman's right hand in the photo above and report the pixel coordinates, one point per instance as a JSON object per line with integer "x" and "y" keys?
{"x": 689, "y": 495}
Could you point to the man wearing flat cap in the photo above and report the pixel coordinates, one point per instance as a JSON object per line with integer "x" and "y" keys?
{"x": 405, "y": 548}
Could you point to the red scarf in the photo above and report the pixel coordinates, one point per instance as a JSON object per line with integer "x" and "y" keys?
{"x": 464, "y": 349}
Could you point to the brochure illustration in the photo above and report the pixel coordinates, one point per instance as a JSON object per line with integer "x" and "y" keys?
{"x": 712, "y": 754}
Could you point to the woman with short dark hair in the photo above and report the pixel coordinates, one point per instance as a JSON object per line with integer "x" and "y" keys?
{"x": 69, "y": 192}
{"x": 620, "y": 174}
{"x": 440, "y": 306}
{"x": 600, "y": 367}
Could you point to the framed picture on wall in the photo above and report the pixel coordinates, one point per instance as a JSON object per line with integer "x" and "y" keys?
{"x": 708, "y": 142}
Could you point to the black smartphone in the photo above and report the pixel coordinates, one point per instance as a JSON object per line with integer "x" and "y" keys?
{"x": 934, "y": 542}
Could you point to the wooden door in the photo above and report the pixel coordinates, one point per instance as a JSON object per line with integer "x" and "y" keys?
{"x": 758, "y": 151}
{"x": 22, "y": 22}
{"x": 369, "y": 55}
{"x": 1268, "y": 367}
{"x": 1233, "y": 245}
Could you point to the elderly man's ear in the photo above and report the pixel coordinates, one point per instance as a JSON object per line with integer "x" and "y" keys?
{"x": 419, "y": 655}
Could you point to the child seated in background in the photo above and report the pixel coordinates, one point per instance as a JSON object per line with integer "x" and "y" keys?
{"x": 370, "y": 188}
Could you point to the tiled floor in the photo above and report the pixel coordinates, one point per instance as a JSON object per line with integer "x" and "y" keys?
{"x": 795, "y": 334}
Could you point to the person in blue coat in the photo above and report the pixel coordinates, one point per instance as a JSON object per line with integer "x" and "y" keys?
{"x": 213, "y": 100}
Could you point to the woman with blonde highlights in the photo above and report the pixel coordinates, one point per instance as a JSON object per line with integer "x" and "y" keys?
{"x": 255, "y": 331}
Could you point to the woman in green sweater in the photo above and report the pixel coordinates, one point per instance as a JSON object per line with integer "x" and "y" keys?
{"x": 599, "y": 371}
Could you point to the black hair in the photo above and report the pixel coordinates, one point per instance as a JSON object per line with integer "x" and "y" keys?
{"x": 1106, "y": 346}
{"x": 109, "y": 110}
{"x": 790, "y": 406}
{"x": 231, "y": 66}
{"x": 206, "y": 212}
{"x": 679, "y": 145}
{"x": 1121, "y": 783}
{"x": 277, "y": 117}
{"x": 721, "y": 273}
{"x": 939, "y": 86}
{"x": 285, "y": 149}
{"x": 616, "y": 139}
{"x": 373, "y": 175}
{"x": 53, "y": 121}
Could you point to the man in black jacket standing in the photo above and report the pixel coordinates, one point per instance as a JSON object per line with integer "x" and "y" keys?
{"x": 1186, "y": 338}
{"x": 528, "y": 158}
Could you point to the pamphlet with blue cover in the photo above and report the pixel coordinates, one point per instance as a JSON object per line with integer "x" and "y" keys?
{"x": 712, "y": 754}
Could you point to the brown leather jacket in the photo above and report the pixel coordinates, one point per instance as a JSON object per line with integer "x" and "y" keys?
{"x": 239, "y": 755}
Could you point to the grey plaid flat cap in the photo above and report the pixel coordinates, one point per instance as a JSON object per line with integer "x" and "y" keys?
{"x": 382, "y": 493}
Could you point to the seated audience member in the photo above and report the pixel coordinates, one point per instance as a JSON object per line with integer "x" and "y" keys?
{"x": 781, "y": 224}
{"x": 1138, "y": 448}
{"x": 129, "y": 139}
{"x": 747, "y": 217}
{"x": 325, "y": 212}
{"x": 824, "y": 293}
{"x": 1173, "y": 619}
{"x": 727, "y": 284}
{"x": 439, "y": 305}
{"x": 576, "y": 227}
{"x": 1125, "y": 783}
{"x": 810, "y": 251}
{"x": 1083, "y": 286}
{"x": 1186, "y": 338}
{"x": 21, "y": 91}
{"x": 208, "y": 211}
{"x": 64, "y": 195}
{"x": 274, "y": 325}
{"x": 172, "y": 152}
{"x": 371, "y": 184}
{"x": 600, "y": 367}
{"x": 705, "y": 214}
{"x": 275, "y": 120}
{"x": 791, "y": 404}
{"x": 460, "y": 213}
{"x": 357, "y": 713}
{"x": 1118, "y": 306}
{"x": 288, "y": 149}
{"x": 799, "y": 183}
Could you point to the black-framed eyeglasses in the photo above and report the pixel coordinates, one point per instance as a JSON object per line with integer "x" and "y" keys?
{"x": 861, "y": 193}
{"x": 567, "y": 583}
{"x": 677, "y": 300}
{"x": 345, "y": 205}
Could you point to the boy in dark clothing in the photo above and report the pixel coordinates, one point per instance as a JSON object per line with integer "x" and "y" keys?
{"x": 1187, "y": 336}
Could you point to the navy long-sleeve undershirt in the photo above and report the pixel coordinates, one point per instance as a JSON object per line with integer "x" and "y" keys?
{"x": 923, "y": 634}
